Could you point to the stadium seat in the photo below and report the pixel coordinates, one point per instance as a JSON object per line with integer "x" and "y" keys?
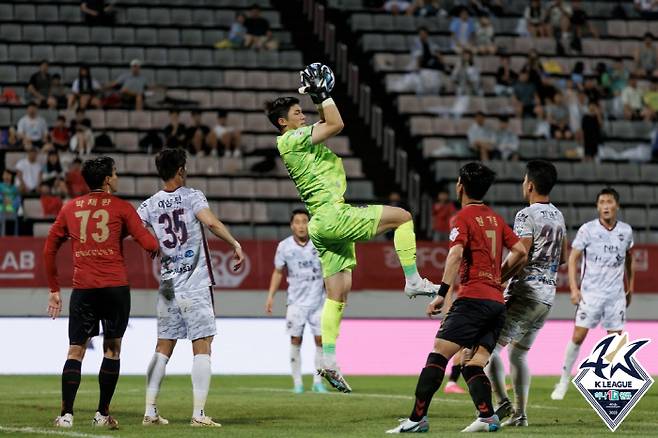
{"x": 24, "y": 12}
{"x": 266, "y": 232}
{"x": 146, "y": 186}
{"x": 243, "y": 188}
{"x": 220, "y": 187}
{"x": 231, "y": 211}
{"x": 146, "y": 36}
{"x": 278, "y": 211}
{"x": 199, "y": 183}
{"x": 31, "y": 33}
{"x": 636, "y": 217}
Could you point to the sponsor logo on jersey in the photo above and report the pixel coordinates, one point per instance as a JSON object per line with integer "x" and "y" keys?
{"x": 612, "y": 380}
{"x": 454, "y": 233}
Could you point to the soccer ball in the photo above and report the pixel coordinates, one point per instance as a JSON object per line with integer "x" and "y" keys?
{"x": 325, "y": 72}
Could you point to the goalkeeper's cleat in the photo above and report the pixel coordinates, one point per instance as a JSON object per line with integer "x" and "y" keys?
{"x": 154, "y": 421}
{"x": 490, "y": 424}
{"x": 453, "y": 388}
{"x": 204, "y": 421}
{"x": 64, "y": 421}
{"x": 560, "y": 391}
{"x": 320, "y": 388}
{"x": 505, "y": 409}
{"x": 107, "y": 421}
{"x": 408, "y": 426}
{"x": 516, "y": 420}
{"x": 298, "y": 389}
{"x": 424, "y": 288}
{"x": 335, "y": 379}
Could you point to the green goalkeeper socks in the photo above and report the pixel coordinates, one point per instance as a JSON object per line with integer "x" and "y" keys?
{"x": 404, "y": 240}
{"x": 332, "y": 313}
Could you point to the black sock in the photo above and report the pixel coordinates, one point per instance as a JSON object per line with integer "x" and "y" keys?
{"x": 108, "y": 376}
{"x": 480, "y": 389}
{"x": 455, "y": 372}
{"x": 70, "y": 384}
{"x": 429, "y": 382}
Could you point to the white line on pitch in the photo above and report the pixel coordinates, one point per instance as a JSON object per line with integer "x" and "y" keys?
{"x": 41, "y": 431}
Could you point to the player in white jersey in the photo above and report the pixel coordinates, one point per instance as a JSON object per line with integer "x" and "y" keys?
{"x": 185, "y": 309}
{"x": 605, "y": 247}
{"x": 306, "y": 294}
{"x": 531, "y": 292}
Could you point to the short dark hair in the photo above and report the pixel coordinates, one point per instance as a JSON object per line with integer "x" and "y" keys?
{"x": 222, "y": 113}
{"x": 423, "y": 29}
{"x": 61, "y": 118}
{"x": 77, "y": 160}
{"x": 255, "y": 6}
{"x": 34, "y": 104}
{"x": 168, "y": 161}
{"x": 195, "y": 112}
{"x": 95, "y": 170}
{"x": 476, "y": 179}
{"x": 542, "y": 174}
{"x": 174, "y": 111}
{"x": 274, "y": 109}
{"x": 297, "y": 211}
{"x": 608, "y": 191}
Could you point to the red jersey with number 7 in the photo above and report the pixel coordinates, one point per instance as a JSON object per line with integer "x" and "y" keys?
{"x": 483, "y": 234}
{"x": 96, "y": 223}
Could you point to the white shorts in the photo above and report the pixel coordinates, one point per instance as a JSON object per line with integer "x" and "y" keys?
{"x": 524, "y": 319}
{"x": 609, "y": 312}
{"x": 186, "y": 315}
{"x": 298, "y": 316}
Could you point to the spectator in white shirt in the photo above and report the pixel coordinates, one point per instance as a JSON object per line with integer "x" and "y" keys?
{"x": 28, "y": 172}
{"x": 507, "y": 142}
{"x": 631, "y": 98}
{"x": 32, "y": 128}
{"x": 480, "y": 138}
{"x": 85, "y": 90}
{"x": 228, "y": 137}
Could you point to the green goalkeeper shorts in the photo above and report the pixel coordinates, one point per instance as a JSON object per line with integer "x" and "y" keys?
{"x": 335, "y": 227}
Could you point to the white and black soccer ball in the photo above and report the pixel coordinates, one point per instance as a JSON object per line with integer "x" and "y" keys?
{"x": 325, "y": 73}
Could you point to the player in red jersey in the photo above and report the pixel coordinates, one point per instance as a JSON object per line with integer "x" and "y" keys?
{"x": 475, "y": 319}
{"x": 96, "y": 223}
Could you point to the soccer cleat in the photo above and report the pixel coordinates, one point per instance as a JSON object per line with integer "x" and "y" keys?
{"x": 298, "y": 389}
{"x": 505, "y": 409}
{"x": 104, "y": 421}
{"x": 335, "y": 379}
{"x": 453, "y": 388}
{"x": 491, "y": 424}
{"x": 560, "y": 390}
{"x": 156, "y": 420}
{"x": 319, "y": 388}
{"x": 408, "y": 426}
{"x": 65, "y": 421}
{"x": 204, "y": 421}
{"x": 424, "y": 288}
{"x": 516, "y": 420}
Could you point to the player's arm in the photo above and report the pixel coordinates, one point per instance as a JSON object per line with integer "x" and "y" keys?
{"x": 216, "y": 227}
{"x": 136, "y": 229}
{"x": 331, "y": 122}
{"x": 275, "y": 282}
{"x": 510, "y": 268}
{"x": 565, "y": 250}
{"x": 574, "y": 262}
{"x": 56, "y": 237}
{"x": 629, "y": 268}
{"x": 453, "y": 260}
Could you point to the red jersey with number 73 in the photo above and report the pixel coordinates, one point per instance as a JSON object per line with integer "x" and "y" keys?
{"x": 96, "y": 223}
{"x": 483, "y": 233}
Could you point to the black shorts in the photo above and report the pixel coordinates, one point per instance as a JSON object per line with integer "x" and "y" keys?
{"x": 471, "y": 322}
{"x": 88, "y": 307}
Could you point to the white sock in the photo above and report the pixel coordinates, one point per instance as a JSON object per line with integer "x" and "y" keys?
{"x": 201, "y": 373}
{"x": 495, "y": 370}
{"x": 318, "y": 364}
{"x": 154, "y": 375}
{"x": 520, "y": 377}
{"x": 569, "y": 358}
{"x": 296, "y": 364}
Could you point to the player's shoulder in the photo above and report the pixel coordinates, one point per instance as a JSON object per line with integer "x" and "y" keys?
{"x": 589, "y": 225}
{"x": 285, "y": 243}
{"x": 625, "y": 227}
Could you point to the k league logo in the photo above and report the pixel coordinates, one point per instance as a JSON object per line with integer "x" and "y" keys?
{"x": 611, "y": 380}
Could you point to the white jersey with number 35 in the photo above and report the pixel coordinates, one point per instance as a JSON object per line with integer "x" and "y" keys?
{"x": 184, "y": 257}
{"x": 543, "y": 223}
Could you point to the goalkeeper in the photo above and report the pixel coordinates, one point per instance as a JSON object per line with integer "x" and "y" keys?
{"x": 335, "y": 226}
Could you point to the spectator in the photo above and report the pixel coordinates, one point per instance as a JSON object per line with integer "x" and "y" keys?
{"x": 32, "y": 128}
{"x": 10, "y": 97}
{"x": 28, "y": 172}
{"x": 576, "y": 101}
{"x": 603, "y": 80}
{"x": 197, "y": 135}
{"x": 651, "y": 101}
{"x": 646, "y": 59}
{"x": 592, "y": 128}
{"x": 236, "y": 34}
{"x": 442, "y": 211}
{"x": 58, "y": 91}
{"x": 558, "y": 16}
{"x": 83, "y": 141}
{"x": 85, "y": 90}
{"x": 547, "y": 90}
{"x": 98, "y": 12}
{"x": 484, "y": 37}
{"x": 525, "y": 96}
{"x": 75, "y": 183}
{"x": 52, "y": 170}
{"x": 557, "y": 116}
{"x": 578, "y": 75}
{"x": 534, "y": 67}
{"x": 505, "y": 77}
{"x": 507, "y": 142}
{"x": 579, "y": 25}
{"x": 39, "y": 87}
{"x": 60, "y": 134}
{"x": 175, "y": 132}
{"x": 258, "y": 34}
{"x": 466, "y": 75}
{"x": 647, "y": 9}
{"x": 9, "y": 139}
{"x": 425, "y": 8}
{"x": 78, "y": 120}
{"x": 228, "y": 137}
{"x": 397, "y": 6}
{"x": 429, "y": 63}
{"x": 481, "y": 139}
{"x": 51, "y": 204}
{"x": 462, "y": 30}
{"x": 132, "y": 85}
{"x": 535, "y": 17}
{"x": 592, "y": 90}
{"x": 10, "y": 197}
{"x": 618, "y": 77}
{"x": 631, "y": 99}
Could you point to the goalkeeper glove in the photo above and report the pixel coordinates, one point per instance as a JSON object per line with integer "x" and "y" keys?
{"x": 314, "y": 83}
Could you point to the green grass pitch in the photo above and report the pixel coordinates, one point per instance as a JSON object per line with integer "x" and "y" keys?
{"x": 263, "y": 406}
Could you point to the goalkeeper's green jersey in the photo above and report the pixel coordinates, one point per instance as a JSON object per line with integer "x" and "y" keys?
{"x": 317, "y": 172}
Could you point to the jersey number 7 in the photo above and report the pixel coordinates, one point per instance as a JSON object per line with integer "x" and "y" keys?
{"x": 173, "y": 225}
